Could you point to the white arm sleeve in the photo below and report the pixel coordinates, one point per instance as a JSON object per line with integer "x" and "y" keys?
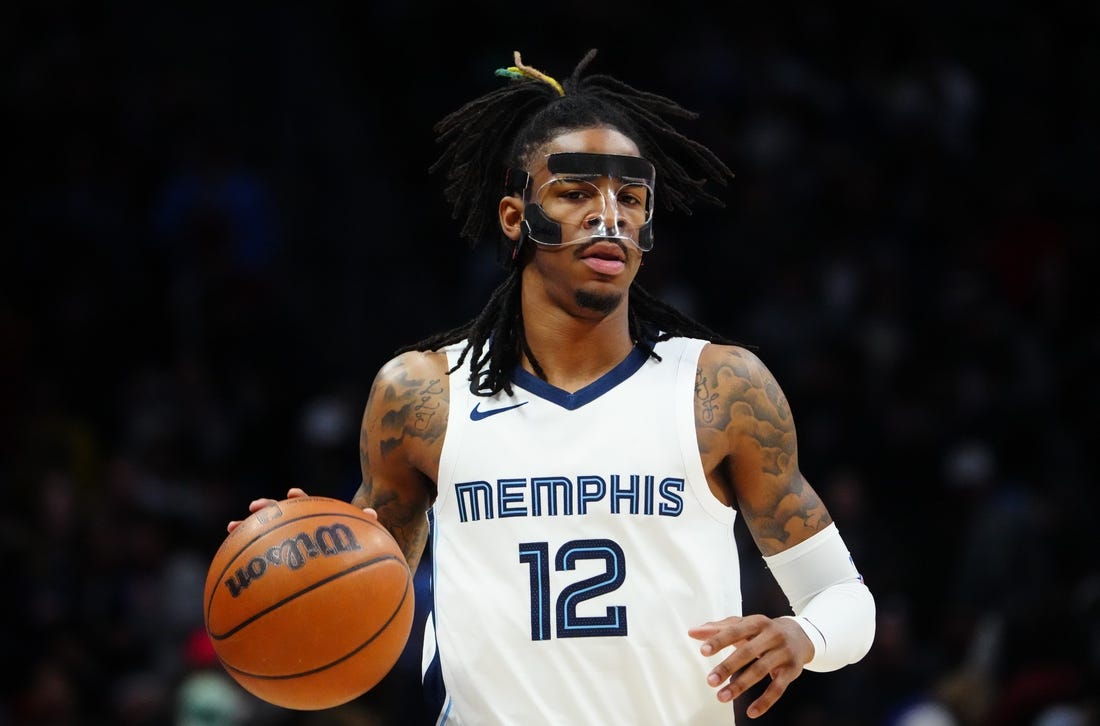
{"x": 829, "y": 599}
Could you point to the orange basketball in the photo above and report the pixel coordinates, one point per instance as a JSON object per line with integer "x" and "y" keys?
{"x": 309, "y": 603}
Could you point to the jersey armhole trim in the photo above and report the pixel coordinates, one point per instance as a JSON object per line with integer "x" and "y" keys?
{"x": 689, "y": 438}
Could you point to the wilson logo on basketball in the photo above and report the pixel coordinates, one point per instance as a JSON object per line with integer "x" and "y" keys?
{"x": 294, "y": 553}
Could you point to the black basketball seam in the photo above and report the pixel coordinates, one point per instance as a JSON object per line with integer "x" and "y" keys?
{"x": 298, "y": 593}
{"x": 341, "y": 659}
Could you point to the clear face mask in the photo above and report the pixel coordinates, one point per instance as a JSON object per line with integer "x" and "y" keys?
{"x": 591, "y": 196}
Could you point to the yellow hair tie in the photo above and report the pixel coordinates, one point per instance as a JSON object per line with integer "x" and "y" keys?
{"x": 519, "y": 69}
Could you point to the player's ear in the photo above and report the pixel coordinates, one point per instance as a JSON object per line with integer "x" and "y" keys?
{"x": 510, "y": 211}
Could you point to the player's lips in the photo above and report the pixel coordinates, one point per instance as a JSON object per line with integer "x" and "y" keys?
{"x": 606, "y": 258}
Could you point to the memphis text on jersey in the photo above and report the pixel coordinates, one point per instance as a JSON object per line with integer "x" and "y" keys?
{"x": 553, "y": 496}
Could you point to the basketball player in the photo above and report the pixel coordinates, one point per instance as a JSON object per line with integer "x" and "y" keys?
{"x": 580, "y": 449}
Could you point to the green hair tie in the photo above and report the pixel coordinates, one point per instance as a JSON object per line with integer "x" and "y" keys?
{"x": 519, "y": 70}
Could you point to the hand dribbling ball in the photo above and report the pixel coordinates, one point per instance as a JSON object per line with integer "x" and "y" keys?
{"x": 308, "y": 603}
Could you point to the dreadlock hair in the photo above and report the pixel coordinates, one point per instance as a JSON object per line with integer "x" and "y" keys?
{"x": 532, "y": 110}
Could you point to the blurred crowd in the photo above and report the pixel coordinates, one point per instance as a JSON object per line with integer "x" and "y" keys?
{"x": 222, "y": 222}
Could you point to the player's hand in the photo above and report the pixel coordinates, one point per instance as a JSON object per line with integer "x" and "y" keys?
{"x": 257, "y": 504}
{"x": 293, "y": 493}
{"x": 762, "y": 646}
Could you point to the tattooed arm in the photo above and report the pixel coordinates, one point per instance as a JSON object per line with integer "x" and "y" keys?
{"x": 399, "y": 445}
{"x": 750, "y": 450}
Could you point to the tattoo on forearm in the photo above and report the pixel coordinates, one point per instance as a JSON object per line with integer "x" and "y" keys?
{"x": 404, "y": 521}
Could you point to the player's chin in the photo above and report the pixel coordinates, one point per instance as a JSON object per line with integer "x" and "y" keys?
{"x": 602, "y": 301}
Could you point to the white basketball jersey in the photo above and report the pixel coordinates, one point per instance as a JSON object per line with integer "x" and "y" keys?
{"x": 574, "y": 542}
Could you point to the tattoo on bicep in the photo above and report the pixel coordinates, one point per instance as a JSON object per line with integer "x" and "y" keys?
{"x": 405, "y": 413}
{"x": 364, "y": 439}
{"x": 778, "y": 503}
{"x": 412, "y": 407}
{"x": 764, "y": 415}
{"x": 706, "y": 399}
{"x": 428, "y": 405}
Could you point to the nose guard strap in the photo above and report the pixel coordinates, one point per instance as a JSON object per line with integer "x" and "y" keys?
{"x": 545, "y": 231}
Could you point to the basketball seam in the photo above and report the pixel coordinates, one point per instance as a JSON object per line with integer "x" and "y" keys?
{"x": 330, "y": 664}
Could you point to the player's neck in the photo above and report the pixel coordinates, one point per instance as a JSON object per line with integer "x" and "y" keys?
{"x": 573, "y": 352}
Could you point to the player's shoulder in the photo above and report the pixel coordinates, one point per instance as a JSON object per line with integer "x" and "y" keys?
{"x": 411, "y": 383}
{"x": 735, "y": 394}
{"x": 405, "y": 420}
{"x": 732, "y": 360}
{"x": 412, "y": 367}
{"x": 411, "y": 393}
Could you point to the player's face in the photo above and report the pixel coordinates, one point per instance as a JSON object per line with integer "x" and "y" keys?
{"x": 591, "y": 196}
{"x": 591, "y": 276}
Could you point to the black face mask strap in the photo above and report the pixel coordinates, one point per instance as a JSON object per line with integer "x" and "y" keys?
{"x": 515, "y": 181}
{"x": 535, "y": 222}
{"x": 613, "y": 165}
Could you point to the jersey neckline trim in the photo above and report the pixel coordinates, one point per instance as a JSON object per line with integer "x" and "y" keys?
{"x": 572, "y": 401}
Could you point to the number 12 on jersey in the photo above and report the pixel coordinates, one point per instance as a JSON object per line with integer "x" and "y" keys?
{"x": 536, "y": 555}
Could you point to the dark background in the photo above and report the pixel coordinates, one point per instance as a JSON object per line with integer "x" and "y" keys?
{"x": 220, "y": 223}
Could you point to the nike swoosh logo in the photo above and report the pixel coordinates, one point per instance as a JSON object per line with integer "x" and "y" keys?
{"x": 477, "y": 414}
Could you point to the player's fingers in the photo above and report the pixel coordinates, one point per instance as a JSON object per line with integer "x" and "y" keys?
{"x": 254, "y": 506}
{"x": 775, "y": 659}
{"x": 743, "y": 679}
{"x": 766, "y": 653}
{"x": 780, "y": 679}
{"x": 370, "y": 512}
{"x": 703, "y": 632}
{"x": 744, "y": 667}
{"x": 726, "y": 632}
{"x": 257, "y": 504}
